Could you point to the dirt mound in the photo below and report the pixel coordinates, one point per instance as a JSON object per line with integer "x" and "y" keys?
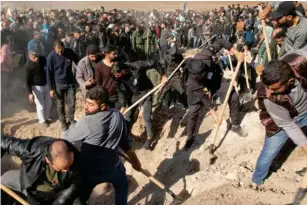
{"x": 187, "y": 173}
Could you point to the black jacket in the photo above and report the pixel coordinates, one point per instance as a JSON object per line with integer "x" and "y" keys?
{"x": 136, "y": 79}
{"x": 35, "y": 73}
{"x": 78, "y": 46}
{"x": 32, "y": 153}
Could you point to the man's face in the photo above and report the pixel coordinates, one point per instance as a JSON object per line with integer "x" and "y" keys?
{"x": 91, "y": 107}
{"x": 163, "y": 26}
{"x": 37, "y": 37}
{"x": 59, "y": 50}
{"x": 127, "y": 28}
{"x": 283, "y": 20}
{"x": 87, "y": 29}
{"x": 92, "y": 57}
{"x": 60, "y": 31}
{"x": 61, "y": 165}
{"x": 68, "y": 39}
{"x": 33, "y": 58}
{"x": 280, "y": 40}
{"x": 280, "y": 88}
{"x": 112, "y": 55}
{"x": 77, "y": 35}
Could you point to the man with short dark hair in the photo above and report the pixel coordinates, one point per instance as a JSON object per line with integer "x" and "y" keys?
{"x": 163, "y": 41}
{"x": 285, "y": 15}
{"x": 61, "y": 80}
{"x": 50, "y": 172}
{"x": 282, "y": 100}
{"x": 105, "y": 78}
{"x": 85, "y": 74}
{"x": 38, "y": 90}
{"x": 36, "y": 45}
{"x": 77, "y": 45}
{"x": 102, "y": 132}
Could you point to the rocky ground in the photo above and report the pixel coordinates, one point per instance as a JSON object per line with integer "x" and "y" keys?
{"x": 188, "y": 173}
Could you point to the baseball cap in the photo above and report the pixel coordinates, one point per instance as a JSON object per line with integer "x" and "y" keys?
{"x": 284, "y": 9}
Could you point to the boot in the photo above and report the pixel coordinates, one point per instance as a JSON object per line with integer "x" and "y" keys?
{"x": 237, "y": 129}
{"x": 190, "y": 141}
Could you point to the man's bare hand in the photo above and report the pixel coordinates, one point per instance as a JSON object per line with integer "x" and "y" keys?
{"x": 164, "y": 79}
{"x": 52, "y": 93}
{"x": 89, "y": 82}
{"x": 123, "y": 109}
{"x": 31, "y": 98}
{"x": 240, "y": 57}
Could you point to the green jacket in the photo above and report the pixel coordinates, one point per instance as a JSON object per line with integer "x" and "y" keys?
{"x": 138, "y": 40}
{"x": 274, "y": 51}
{"x": 152, "y": 43}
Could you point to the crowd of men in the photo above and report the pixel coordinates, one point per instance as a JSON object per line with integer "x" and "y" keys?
{"x": 115, "y": 58}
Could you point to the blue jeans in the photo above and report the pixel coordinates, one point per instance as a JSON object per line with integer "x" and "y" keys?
{"x": 226, "y": 37}
{"x": 117, "y": 178}
{"x": 272, "y": 146}
{"x": 196, "y": 42}
{"x": 225, "y": 61}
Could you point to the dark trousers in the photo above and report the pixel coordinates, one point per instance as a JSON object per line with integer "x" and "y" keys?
{"x": 68, "y": 93}
{"x": 193, "y": 113}
{"x": 11, "y": 179}
{"x": 175, "y": 83}
{"x": 117, "y": 178}
{"x": 162, "y": 51}
{"x": 114, "y": 102}
{"x": 194, "y": 110}
{"x": 234, "y": 108}
{"x": 147, "y": 111}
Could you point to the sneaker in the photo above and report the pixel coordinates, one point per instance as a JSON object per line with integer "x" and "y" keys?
{"x": 64, "y": 126}
{"x": 237, "y": 129}
{"x": 44, "y": 124}
{"x": 147, "y": 144}
{"x": 190, "y": 141}
{"x": 257, "y": 187}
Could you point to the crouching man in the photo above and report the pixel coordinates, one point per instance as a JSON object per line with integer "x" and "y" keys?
{"x": 102, "y": 132}
{"x": 50, "y": 171}
{"x": 282, "y": 100}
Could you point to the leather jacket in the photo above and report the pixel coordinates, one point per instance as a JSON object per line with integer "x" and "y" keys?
{"x": 32, "y": 153}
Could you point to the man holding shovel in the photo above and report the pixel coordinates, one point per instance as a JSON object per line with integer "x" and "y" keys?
{"x": 50, "y": 172}
{"x": 282, "y": 100}
{"x": 102, "y": 132}
{"x": 198, "y": 91}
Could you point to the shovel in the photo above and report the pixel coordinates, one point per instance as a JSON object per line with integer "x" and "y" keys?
{"x": 231, "y": 67}
{"x": 212, "y": 147}
{"x": 177, "y": 200}
{"x": 14, "y": 195}
{"x": 249, "y": 96}
{"x": 174, "y": 72}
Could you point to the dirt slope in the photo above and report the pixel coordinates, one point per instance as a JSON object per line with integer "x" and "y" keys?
{"x": 187, "y": 173}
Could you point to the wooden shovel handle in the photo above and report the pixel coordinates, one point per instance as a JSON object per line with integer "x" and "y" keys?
{"x": 14, "y": 195}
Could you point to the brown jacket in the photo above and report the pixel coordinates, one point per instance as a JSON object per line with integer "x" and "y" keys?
{"x": 282, "y": 100}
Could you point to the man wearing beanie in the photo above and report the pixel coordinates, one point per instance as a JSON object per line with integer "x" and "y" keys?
{"x": 85, "y": 74}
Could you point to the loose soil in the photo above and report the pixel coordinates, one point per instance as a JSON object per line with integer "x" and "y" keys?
{"x": 187, "y": 173}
